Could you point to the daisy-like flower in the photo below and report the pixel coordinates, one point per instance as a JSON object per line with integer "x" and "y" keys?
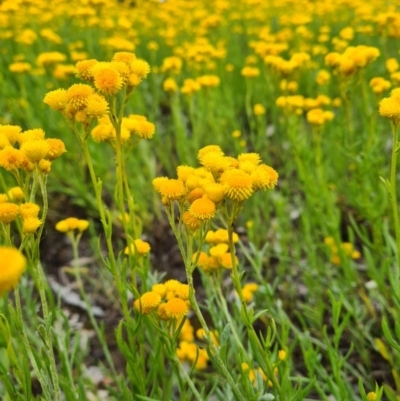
{"x": 172, "y": 189}
{"x": 147, "y": 302}
{"x": 140, "y": 247}
{"x": 264, "y": 177}
{"x": 84, "y": 69}
{"x": 56, "y": 148}
{"x": 78, "y": 95}
{"x": 238, "y": 184}
{"x": 190, "y": 221}
{"x": 28, "y": 210}
{"x": 8, "y": 212}
{"x": 57, "y": 99}
{"x": 97, "y": 106}
{"x": 12, "y": 265}
{"x": 35, "y": 150}
{"x": 30, "y": 225}
{"x": 203, "y": 209}
{"x": 176, "y": 308}
{"x": 107, "y": 79}
{"x": 12, "y": 159}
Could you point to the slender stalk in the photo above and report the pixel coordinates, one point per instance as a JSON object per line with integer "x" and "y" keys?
{"x": 393, "y": 196}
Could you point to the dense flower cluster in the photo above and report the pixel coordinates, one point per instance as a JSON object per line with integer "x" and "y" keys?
{"x": 221, "y": 178}
{"x": 169, "y": 300}
{"x": 28, "y": 150}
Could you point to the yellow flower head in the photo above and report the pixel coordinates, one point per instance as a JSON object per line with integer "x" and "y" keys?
{"x": 258, "y": 109}
{"x": 389, "y": 107}
{"x": 159, "y": 289}
{"x": 183, "y": 172}
{"x": 203, "y": 209}
{"x": 182, "y": 292}
{"x": 190, "y": 221}
{"x": 176, "y": 308}
{"x": 107, "y": 79}
{"x": 139, "y": 246}
{"x": 11, "y": 132}
{"x": 28, "y": 210}
{"x": 97, "y": 106}
{"x": 140, "y": 69}
{"x": 84, "y": 69}
{"x": 8, "y": 212}
{"x": 214, "y": 192}
{"x": 264, "y": 177}
{"x": 170, "y": 85}
{"x": 71, "y": 224}
{"x": 238, "y": 184}
{"x": 172, "y": 285}
{"x": 35, "y": 134}
{"x": 15, "y": 194}
{"x": 215, "y": 162}
{"x": 172, "y": 189}
{"x": 148, "y": 302}
{"x": 78, "y": 95}
{"x": 12, "y": 265}
{"x": 56, "y": 148}
{"x": 209, "y": 149}
{"x": 57, "y": 99}
{"x": 124, "y": 57}
{"x": 12, "y": 159}
{"x": 35, "y": 150}
{"x": 30, "y": 225}
{"x": 44, "y": 166}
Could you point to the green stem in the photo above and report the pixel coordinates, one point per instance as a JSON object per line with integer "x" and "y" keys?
{"x": 393, "y": 196}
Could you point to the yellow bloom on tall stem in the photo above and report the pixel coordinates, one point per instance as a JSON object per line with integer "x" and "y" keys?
{"x": 12, "y": 265}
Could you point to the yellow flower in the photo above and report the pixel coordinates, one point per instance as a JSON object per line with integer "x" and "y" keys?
{"x": 147, "y": 302}
{"x": 141, "y": 247}
{"x": 182, "y": 292}
{"x": 107, "y": 79}
{"x": 19, "y": 67}
{"x": 214, "y": 192}
{"x": 159, "y": 289}
{"x": 238, "y": 184}
{"x": 264, "y": 177}
{"x": 12, "y": 265}
{"x": 214, "y": 162}
{"x": 35, "y": 134}
{"x": 72, "y": 223}
{"x": 170, "y": 85}
{"x": 28, "y": 210}
{"x": 84, "y": 69}
{"x": 124, "y": 57}
{"x": 203, "y": 209}
{"x": 144, "y": 129}
{"x": 172, "y": 189}
{"x": 12, "y": 159}
{"x": 44, "y": 166}
{"x": 56, "y": 148}
{"x": 183, "y": 172}
{"x": 140, "y": 69}
{"x": 282, "y": 355}
{"x": 371, "y": 396}
{"x": 190, "y": 221}
{"x": 35, "y": 150}
{"x": 15, "y": 194}
{"x": 258, "y": 109}
{"x": 8, "y": 212}
{"x": 176, "y": 308}
{"x": 11, "y": 132}
{"x": 78, "y": 95}
{"x": 30, "y": 225}
{"x": 97, "y": 106}
{"x": 389, "y": 107}
{"x": 250, "y": 72}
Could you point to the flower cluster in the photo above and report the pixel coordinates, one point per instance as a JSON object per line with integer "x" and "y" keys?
{"x": 140, "y": 247}
{"x": 82, "y": 102}
{"x": 351, "y": 60}
{"x": 189, "y": 351}
{"x": 200, "y": 191}
{"x": 218, "y": 255}
{"x": 345, "y": 248}
{"x": 72, "y": 224}
{"x": 169, "y": 300}
{"x": 134, "y": 125}
{"x": 28, "y": 150}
